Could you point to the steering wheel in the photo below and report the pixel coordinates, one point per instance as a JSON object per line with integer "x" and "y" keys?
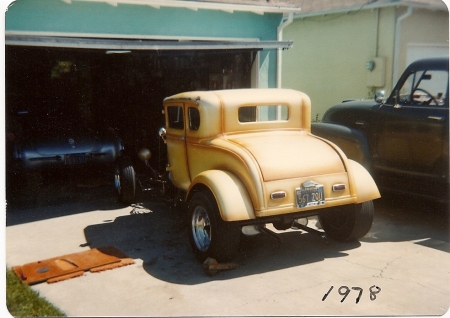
{"x": 428, "y": 102}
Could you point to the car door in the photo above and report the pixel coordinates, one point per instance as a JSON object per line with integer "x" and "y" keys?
{"x": 412, "y": 130}
{"x": 176, "y": 144}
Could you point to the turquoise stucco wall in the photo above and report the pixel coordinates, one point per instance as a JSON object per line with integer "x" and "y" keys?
{"x": 78, "y": 17}
{"x": 103, "y": 18}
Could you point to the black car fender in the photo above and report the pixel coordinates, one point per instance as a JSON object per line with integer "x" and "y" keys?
{"x": 352, "y": 142}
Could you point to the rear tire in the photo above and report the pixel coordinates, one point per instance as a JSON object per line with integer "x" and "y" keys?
{"x": 125, "y": 181}
{"x": 209, "y": 235}
{"x": 348, "y": 222}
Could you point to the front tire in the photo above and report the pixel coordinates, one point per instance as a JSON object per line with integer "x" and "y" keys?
{"x": 125, "y": 181}
{"x": 209, "y": 235}
{"x": 349, "y": 222}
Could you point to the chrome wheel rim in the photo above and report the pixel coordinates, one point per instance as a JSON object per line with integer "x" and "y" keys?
{"x": 201, "y": 228}
{"x": 117, "y": 181}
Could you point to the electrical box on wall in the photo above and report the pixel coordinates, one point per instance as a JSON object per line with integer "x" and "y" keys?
{"x": 376, "y": 69}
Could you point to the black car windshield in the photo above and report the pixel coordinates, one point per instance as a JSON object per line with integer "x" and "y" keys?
{"x": 425, "y": 88}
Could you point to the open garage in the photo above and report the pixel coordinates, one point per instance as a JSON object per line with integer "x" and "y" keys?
{"x": 108, "y": 65}
{"x": 120, "y": 91}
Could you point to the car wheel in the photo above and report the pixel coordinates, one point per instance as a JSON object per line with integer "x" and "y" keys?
{"x": 209, "y": 235}
{"x": 125, "y": 181}
{"x": 349, "y": 222}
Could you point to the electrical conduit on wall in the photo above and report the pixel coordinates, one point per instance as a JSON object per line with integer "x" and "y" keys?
{"x": 280, "y": 28}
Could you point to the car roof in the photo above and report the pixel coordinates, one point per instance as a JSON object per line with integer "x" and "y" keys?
{"x": 221, "y": 107}
{"x": 429, "y": 64}
{"x": 241, "y": 96}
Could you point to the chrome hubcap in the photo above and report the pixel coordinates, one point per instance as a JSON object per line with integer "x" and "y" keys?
{"x": 117, "y": 181}
{"x": 201, "y": 228}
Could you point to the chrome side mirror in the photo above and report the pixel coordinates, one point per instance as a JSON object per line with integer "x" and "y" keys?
{"x": 379, "y": 95}
{"x": 162, "y": 133}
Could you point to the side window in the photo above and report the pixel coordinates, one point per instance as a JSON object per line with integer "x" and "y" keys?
{"x": 424, "y": 88}
{"x": 194, "y": 118}
{"x": 249, "y": 114}
{"x": 175, "y": 114}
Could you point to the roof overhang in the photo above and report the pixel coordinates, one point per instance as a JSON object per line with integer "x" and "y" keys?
{"x": 375, "y": 5}
{"x": 196, "y": 5}
{"x": 140, "y": 44}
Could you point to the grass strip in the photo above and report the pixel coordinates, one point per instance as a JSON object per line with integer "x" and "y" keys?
{"x": 22, "y": 301}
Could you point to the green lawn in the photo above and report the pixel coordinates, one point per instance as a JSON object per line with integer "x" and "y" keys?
{"x": 22, "y": 301}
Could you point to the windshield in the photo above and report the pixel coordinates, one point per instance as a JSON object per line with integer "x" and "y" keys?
{"x": 425, "y": 87}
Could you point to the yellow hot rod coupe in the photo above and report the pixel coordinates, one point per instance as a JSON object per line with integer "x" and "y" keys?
{"x": 246, "y": 158}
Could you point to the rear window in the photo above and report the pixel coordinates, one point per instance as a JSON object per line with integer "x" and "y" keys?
{"x": 249, "y": 114}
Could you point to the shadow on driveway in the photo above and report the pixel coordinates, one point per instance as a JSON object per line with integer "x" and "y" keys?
{"x": 400, "y": 219}
{"x": 159, "y": 237}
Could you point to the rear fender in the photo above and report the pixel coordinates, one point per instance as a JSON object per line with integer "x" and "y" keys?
{"x": 230, "y": 193}
{"x": 364, "y": 186}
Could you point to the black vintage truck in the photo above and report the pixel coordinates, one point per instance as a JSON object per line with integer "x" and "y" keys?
{"x": 403, "y": 140}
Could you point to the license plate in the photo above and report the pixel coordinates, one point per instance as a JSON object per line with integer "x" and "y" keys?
{"x": 311, "y": 195}
{"x": 74, "y": 159}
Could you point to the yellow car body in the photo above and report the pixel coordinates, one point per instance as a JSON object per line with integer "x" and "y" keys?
{"x": 244, "y": 163}
{"x": 252, "y": 151}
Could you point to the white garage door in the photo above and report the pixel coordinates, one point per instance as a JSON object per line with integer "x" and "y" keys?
{"x": 417, "y": 51}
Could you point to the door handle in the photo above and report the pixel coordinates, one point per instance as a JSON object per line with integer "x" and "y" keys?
{"x": 438, "y": 118}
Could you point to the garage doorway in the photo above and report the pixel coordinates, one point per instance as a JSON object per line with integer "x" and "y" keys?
{"x": 116, "y": 90}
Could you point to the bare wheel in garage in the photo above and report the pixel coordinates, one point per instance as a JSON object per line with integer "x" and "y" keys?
{"x": 125, "y": 181}
{"x": 209, "y": 235}
{"x": 348, "y": 222}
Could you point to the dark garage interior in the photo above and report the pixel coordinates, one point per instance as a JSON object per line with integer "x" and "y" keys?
{"x": 118, "y": 92}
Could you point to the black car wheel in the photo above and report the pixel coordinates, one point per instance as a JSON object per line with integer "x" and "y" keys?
{"x": 349, "y": 222}
{"x": 125, "y": 181}
{"x": 209, "y": 235}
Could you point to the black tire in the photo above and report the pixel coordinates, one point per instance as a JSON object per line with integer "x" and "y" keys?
{"x": 349, "y": 222}
{"x": 209, "y": 235}
{"x": 125, "y": 181}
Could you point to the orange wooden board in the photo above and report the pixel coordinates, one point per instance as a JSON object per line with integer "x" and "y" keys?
{"x": 41, "y": 271}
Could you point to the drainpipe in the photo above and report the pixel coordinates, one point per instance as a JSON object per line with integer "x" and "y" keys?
{"x": 280, "y": 28}
{"x": 397, "y": 45}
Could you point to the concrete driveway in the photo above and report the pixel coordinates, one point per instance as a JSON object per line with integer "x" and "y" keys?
{"x": 401, "y": 267}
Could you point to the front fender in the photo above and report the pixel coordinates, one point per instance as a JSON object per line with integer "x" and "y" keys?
{"x": 230, "y": 193}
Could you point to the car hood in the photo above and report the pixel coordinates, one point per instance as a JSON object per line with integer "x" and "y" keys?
{"x": 54, "y": 144}
{"x": 287, "y": 155}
